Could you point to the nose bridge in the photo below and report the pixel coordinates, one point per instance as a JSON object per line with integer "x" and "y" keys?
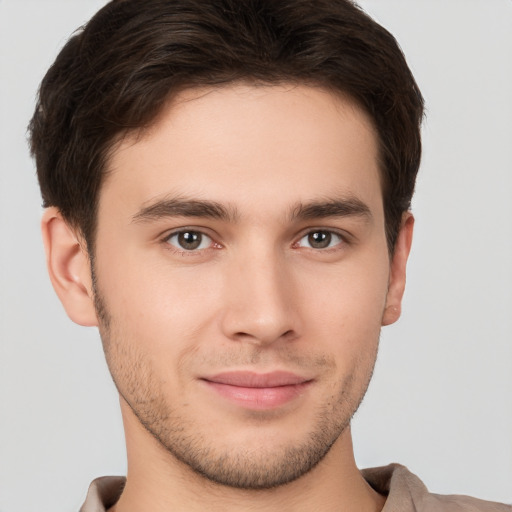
{"x": 260, "y": 305}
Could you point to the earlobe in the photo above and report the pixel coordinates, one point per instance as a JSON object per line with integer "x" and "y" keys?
{"x": 69, "y": 268}
{"x": 397, "y": 276}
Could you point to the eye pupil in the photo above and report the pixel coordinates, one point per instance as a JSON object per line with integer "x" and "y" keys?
{"x": 320, "y": 239}
{"x": 189, "y": 240}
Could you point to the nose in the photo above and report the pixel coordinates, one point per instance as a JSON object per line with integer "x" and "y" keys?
{"x": 260, "y": 304}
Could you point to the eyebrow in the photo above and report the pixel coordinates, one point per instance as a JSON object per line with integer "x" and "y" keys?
{"x": 343, "y": 207}
{"x": 180, "y": 207}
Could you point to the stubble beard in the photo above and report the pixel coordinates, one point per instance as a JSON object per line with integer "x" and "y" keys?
{"x": 233, "y": 466}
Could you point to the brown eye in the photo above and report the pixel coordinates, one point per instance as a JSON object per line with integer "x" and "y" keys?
{"x": 189, "y": 240}
{"x": 320, "y": 239}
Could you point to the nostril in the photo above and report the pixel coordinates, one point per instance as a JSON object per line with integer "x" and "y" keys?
{"x": 262, "y": 338}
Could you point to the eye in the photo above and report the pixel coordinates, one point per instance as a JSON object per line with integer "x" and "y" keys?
{"x": 189, "y": 240}
{"x": 320, "y": 239}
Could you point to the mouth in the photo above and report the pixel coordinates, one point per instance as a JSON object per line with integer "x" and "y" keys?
{"x": 258, "y": 391}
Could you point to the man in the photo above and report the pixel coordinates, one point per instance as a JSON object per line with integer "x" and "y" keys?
{"x": 227, "y": 187}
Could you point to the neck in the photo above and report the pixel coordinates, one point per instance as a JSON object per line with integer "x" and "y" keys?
{"x": 157, "y": 481}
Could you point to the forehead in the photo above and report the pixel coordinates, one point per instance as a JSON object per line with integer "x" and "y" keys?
{"x": 249, "y": 144}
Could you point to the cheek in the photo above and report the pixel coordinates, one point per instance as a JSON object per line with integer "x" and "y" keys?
{"x": 168, "y": 309}
{"x": 344, "y": 312}
{"x": 352, "y": 296}
{"x": 160, "y": 308}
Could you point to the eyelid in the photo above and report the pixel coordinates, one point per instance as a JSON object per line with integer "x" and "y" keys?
{"x": 346, "y": 238}
{"x": 183, "y": 229}
{"x": 343, "y": 235}
{"x": 166, "y": 236}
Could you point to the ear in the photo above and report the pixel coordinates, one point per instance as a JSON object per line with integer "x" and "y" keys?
{"x": 396, "y": 285}
{"x": 69, "y": 268}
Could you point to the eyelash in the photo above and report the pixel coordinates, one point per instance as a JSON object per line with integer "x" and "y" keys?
{"x": 189, "y": 252}
{"x": 343, "y": 240}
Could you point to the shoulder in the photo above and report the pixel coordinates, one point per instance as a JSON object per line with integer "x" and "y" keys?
{"x": 103, "y": 493}
{"x": 457, "y": 503}
{"x": 406, "y": 492}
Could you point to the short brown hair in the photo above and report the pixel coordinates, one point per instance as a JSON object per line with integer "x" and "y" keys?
{"x": 116, "y": 73}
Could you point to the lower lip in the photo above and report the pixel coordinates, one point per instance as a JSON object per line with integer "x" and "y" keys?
{"x": 259, "y": 398}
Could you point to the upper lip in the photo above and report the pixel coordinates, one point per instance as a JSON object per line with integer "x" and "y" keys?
{"x": 248, "y": 379}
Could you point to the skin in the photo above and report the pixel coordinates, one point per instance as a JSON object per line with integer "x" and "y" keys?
{"x": 285, "y": 167}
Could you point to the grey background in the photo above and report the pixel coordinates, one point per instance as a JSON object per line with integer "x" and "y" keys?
{"x": 441, "y": 399}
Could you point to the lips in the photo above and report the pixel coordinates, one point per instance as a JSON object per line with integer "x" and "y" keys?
{"x": 258, "y": 391}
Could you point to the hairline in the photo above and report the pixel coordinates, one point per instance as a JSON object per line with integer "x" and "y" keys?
{"x": 137, "y": 134}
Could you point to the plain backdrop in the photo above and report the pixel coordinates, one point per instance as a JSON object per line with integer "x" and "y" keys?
{"x": 441, "y": 398}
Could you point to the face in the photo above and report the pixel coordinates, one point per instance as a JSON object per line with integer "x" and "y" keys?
{"x": 242, "y": 276}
